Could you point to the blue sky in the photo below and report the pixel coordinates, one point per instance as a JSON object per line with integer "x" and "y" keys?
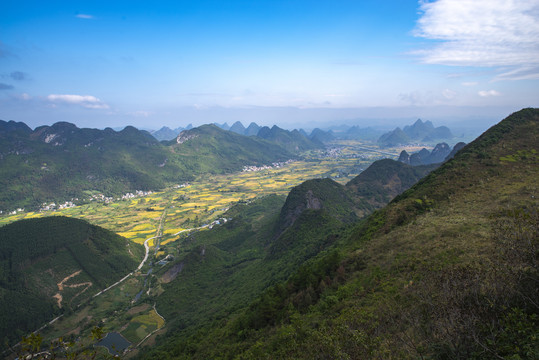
{"x": 297, "y": 63}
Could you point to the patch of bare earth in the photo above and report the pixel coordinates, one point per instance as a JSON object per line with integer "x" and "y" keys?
{"x": 172, "y": 273}
{"x": 62, "y": 284}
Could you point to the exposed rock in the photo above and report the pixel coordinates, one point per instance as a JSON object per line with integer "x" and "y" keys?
{"x": 185, "y": 136}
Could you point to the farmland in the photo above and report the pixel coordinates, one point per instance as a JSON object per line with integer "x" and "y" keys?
{"x": 169, "y": 214}
{"x": 207, "y": 198}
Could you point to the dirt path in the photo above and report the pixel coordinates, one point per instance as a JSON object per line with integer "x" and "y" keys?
{"x": 61, "y": 285}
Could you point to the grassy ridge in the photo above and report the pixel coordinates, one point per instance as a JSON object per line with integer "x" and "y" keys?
{"x": 448, "y": 270}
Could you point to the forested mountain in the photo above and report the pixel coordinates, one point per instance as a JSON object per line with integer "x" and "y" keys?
{"x": 394, "y": 138}
{"x": 439, "y": 154}
{"x": 210, "y": 149}
{"x": 322, "y": 136}
{"x": 252, "y": 129}
{"x": 418, "y": 132}
{"x": 51, "y": 264}
{"x": 382, "y": 181}
{"x": 166, "y": 133}
{"x": 238, "y": 128}
{"x": 448, "y": 270}
{"x": 292, "y": 141}
{"x": 267, "y": 241}
{"x": 61, "y": 162}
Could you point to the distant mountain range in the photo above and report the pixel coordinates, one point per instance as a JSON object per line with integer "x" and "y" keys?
{"x": 166, "y": 133}
{"x": 441, "y": 152}
{"x": 418, "y": 132}
{"x": 62, "y": 162}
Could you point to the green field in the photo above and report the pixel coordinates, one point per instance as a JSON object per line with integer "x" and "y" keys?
{"x": 209, "y": 197}
{"x": 168, "y": 214}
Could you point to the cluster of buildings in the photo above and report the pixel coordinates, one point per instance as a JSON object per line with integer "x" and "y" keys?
{"x": 137, "y": 193}
{"x": 102, "y": 198}
{"x": 13, "y": 212}
{"x": 109, "y": 199}
{"x": 54, "y": 206}
{"x": 337, "y": 152}
{"x": 274, "y": 165}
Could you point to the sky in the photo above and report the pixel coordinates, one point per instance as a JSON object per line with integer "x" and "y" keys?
{"x": 291, "y": 63}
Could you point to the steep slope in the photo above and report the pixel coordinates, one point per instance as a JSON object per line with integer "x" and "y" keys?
{"x": 393, "y": 138}
{"x": 382, "y": 181}
{"x": 211, "y": 149}
{"x": 261, "y": 245}
{"x": 441, "y": 152}
{"x": 252, "y": 129}
{"x": 456, "y": 148}
{"x": 419, "y": 131}
{"x": 321, "y": 135}
{"x": 61, "y": 162}
{"x": 448, "y": 270}
{"x": 292, "y": 141}
{"x": 238, "y": 128}
{"x": 51, "y": 264}
{"x": 317, "y": 194}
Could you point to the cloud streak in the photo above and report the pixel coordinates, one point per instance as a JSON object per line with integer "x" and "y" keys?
{"x": 484, "y": 33}
{"x": 5, "y": 86}
{"x": 488, "y": 93}
{"x": 84, "y": 16}
{"x": 87, "y": 101}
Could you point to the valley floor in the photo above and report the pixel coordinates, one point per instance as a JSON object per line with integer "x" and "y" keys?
{"x": 162, "y": 219}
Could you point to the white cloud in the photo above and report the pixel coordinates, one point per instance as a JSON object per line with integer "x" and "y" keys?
{"x": 87, "y": 101}
{"x": 84, "y": 16}
{"x": 487, "y": 93}
{"x": 486, "y": 33}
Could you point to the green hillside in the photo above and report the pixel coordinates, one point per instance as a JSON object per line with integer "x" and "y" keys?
{"x": 292, "y": 141}
{"x": 448, "y": 270}
{"x": 209, "y": 149}
{"x": 61, "y": 162}
{"x": 384, "y": 180}
{"x": 223, "y": 270}
{"x": 50, "y": 265}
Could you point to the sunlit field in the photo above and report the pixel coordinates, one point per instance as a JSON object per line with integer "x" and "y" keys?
{"x": 209, "y": 197}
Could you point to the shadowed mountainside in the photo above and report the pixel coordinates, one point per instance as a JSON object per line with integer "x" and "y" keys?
{"x": 53, "y": 263}
{"x": 447, "y": 270}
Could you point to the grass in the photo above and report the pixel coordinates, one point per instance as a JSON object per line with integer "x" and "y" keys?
{"x": 142, "y": 325}
{"x": 204, "y": 200}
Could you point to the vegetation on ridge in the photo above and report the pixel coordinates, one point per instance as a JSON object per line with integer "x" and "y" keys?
{"x": 448, "y": 270}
